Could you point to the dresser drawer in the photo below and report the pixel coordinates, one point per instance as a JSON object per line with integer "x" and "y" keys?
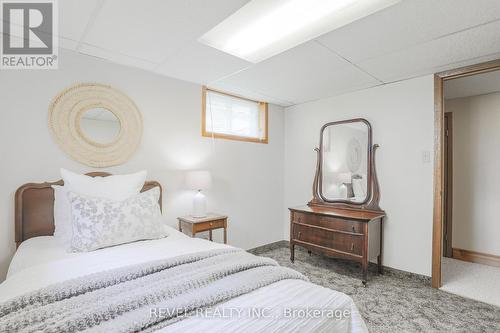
{"x": 329, "y": 222}
{"x": 329, "y": 239}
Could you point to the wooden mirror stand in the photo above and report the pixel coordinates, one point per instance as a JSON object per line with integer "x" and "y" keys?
{"x": 373, "y": 195}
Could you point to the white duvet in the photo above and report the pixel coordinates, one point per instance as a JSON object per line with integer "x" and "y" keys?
{"x": 285, "y": 306}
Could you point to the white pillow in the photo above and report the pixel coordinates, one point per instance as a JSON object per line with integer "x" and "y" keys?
{"x": 62, "y": 214}
{"x": 118, "y": 187}
{"x": 99, "y": 223}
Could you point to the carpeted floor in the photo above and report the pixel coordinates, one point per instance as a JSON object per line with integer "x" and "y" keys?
{"x": 394, "y": 302}
{"x": 472, "y": 280}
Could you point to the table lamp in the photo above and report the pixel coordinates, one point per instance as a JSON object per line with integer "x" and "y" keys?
{"x": 199, "y": 180}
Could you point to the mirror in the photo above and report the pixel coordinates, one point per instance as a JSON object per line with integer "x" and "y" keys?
{"x": 345, "y": 155}
{"x": 100, "y": 125}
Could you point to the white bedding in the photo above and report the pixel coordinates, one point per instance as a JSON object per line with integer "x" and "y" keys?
{"x": 42, "y": 261}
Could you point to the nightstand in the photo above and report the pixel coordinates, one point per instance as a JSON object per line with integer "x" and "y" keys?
{"x": 199, "y": 224}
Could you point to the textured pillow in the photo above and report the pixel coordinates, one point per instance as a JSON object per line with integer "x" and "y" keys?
{"x": 99, "y": 223}
{"x": 116, "y": 188}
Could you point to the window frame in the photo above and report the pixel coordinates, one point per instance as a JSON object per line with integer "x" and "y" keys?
{"x": 263, "y": 112}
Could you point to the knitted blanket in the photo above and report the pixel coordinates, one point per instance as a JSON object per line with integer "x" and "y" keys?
{"x": 143, "y": 297}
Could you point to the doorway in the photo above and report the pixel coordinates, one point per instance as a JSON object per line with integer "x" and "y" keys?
{"x": 439, "y": 162}
{"x": 471, "y": 186}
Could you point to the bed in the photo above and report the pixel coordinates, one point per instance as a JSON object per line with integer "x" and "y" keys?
{"x": 287, "y": 305}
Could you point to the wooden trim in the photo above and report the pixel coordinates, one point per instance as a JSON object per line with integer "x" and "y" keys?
{"x": 438, "y": 183}
{"x": 437, "y": 227}
{"x": 265, "y": 109}
{"x": 484, "y": 67}
{"x": 264, "y": 112}
{"x": 476, "y": 257}
{"x": 448, "y": 184}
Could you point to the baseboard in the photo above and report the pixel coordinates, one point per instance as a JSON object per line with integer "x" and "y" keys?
{"x": 269, "y": 247}
{"x": 476, "y": 257}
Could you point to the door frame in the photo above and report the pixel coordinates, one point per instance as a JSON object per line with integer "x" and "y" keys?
{"x": 448, "y": 186}
{"x": 438, "y": 211}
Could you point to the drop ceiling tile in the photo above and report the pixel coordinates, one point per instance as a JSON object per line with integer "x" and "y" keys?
{"x": 306, "y": 72}
{"x": 232, "y": 89}
{"x": 448, "y": 52}
{"x": 156, "y": 29}
{"x": 116, "y": 57}
{"x": 68, "y": 44}
{"x": 406, "y": 24}
{"x": 72, "y": 19}
{"x": 74, "y": 16}
{"x": 201, "y": 64}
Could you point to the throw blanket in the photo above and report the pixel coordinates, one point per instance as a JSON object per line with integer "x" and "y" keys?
{"x": 142, "y": 297}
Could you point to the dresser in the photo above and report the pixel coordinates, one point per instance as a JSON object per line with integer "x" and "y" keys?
{"x": 343, "y": 219}
{"x": 341, "y": 233}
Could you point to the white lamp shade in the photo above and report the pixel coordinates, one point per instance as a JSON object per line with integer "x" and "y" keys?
{"x": 198, "y": 180}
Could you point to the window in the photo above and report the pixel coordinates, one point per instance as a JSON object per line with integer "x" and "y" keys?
{"x": 235, "y": 118}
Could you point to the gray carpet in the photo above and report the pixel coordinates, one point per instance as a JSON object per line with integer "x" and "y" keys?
{"x": 393, "y": 302}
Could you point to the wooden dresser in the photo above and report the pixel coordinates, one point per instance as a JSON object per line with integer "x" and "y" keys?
{"x": 342, "y": 233}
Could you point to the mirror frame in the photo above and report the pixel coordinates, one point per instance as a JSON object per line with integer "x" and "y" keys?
{"x": 371, "y": 201}
{"x": 66, "y": 111}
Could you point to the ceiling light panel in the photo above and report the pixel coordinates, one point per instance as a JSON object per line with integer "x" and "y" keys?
{"x": 264, "y": 28}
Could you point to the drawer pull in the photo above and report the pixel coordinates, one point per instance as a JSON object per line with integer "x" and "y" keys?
{"x": 352, "y": 247}
{"x": 299, "y": 234}
{"x": 299, "y": 220}
{"x": 211, "y": 224}
{"x": 353, "y": 229}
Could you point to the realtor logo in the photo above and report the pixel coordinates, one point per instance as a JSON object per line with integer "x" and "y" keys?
{"x": 29, "y": 35}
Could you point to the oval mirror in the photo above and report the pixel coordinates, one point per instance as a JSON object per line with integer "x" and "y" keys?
{"x": 100, "y": 125}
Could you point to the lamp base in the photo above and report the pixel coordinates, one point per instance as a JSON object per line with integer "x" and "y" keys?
{"x": 199, "y": 205}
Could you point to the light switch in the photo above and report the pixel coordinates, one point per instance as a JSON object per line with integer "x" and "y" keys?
{"x": 426, "y": 157}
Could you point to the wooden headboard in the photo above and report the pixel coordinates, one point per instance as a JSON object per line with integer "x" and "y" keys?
{"x": 34, "y": 211}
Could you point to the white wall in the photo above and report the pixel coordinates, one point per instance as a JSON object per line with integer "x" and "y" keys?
{"x": 402, "y": 116}
{"x": 248, "y": 180}
{"x": 476, "y": 180}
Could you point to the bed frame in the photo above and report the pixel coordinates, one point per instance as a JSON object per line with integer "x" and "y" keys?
{"x": 34, "y": 207}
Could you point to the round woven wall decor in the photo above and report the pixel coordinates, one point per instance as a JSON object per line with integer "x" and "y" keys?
{"x": 66, "y": 111}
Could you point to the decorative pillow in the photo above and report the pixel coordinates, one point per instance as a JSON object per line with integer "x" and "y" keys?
{"x": 99, "y": 223}
{"x": 116, "y": 188}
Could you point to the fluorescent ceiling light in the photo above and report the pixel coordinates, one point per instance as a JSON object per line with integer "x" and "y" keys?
{"x": 264, "y": 28}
